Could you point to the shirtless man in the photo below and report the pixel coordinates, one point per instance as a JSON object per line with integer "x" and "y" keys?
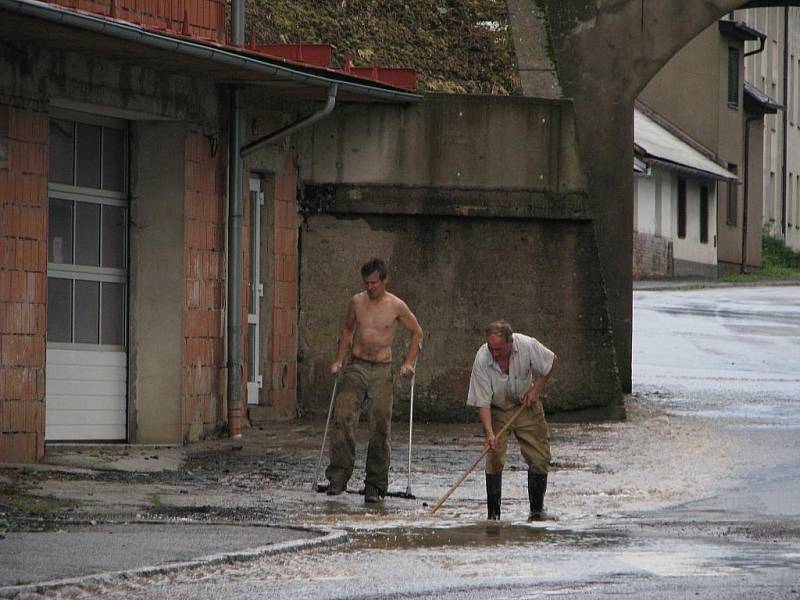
{"x": 367, "y": 334}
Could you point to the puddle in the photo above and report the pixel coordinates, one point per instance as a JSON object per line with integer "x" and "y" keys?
{"x": 477, "y": 535}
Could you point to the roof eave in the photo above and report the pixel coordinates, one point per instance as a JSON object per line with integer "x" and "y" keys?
{"x": 220, "y": 55}
{"x": 673, "y": 166}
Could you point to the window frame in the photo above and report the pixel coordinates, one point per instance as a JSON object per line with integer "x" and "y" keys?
{"x": 102, "y": 197}
{"x": 734, "y": 77}
{"x": 704, "y": 217}
{"x": 682, "y": 209}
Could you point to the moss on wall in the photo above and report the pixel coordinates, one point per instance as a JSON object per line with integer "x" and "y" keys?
{"x": 458, "y": 46}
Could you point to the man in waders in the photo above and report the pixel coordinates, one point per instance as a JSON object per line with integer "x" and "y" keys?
{"x": 368, "y": 379}
{"x": 512, "y": 369}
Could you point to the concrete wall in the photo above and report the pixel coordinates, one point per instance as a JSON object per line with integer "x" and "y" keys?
{"x": 478, "y": 206}
{"x": 467, "y": 142}
{"x": 458, "y": 274}
{"x": 157, "y": 282}
{"x": 605, "y": 54}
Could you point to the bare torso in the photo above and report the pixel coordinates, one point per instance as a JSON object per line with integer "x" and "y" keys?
{"x": 375, "y": 325}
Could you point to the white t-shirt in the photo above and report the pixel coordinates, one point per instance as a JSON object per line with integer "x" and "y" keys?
{"x": 489, "y": 386}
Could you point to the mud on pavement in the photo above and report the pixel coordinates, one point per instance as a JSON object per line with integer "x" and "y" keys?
{"x": 266, "y": 476}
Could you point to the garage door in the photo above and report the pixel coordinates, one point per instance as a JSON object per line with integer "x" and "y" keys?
{"x": 87, "y": 280}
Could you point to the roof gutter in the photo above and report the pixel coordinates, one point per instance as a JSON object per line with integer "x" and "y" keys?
{"x": 63, "y": 16}
{"x": 690, "y": 170}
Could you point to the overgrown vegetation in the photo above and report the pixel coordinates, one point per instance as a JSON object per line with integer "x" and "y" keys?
{"x": 779, "y": 262}
{"x": 456, "y": 46}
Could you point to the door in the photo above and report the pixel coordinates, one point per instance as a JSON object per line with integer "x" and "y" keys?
{"x": 254, "y": 377}
{"x": 87, "y": 279}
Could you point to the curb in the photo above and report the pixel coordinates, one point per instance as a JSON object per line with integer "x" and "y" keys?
{"x": 329, "y": 537}
{"x": 668, "y": 286}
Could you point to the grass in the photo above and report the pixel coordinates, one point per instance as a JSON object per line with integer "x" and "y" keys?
{"x": 779, "y": 262}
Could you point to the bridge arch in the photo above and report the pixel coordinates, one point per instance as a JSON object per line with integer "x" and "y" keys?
{"x": 605, "y": 52}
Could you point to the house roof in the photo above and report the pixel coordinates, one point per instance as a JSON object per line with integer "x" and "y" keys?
{"x": 757, "y": 101}
{"x": 55, "y": 26}
{"x": 741, "y": 30}
{"x": 655, "y": 143}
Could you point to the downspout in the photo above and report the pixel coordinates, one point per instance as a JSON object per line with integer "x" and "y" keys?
{"x": 785, "y": 117}
{"x": 235, "y": 205}
{"x": 237, "y": 153}
{"x": 255, "y": 145}
{"x": 743, "y": 267}
{"x": 235, "y": 221}
{"x": 746, "y": 195}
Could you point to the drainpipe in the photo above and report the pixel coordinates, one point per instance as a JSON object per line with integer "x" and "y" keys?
{"x": 237, "y": 153}
{"x": 255, "y": 145}
{"x": 743, "y": 266}
{"x": 237, "y": 22}
{"x": 235, "y": 205}
{"x": 785, "y": 117}
{"x": 235, "y": 220}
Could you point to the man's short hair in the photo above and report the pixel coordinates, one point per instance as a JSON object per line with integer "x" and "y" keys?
{"x": 372, "y": 265}
{"x": 499, "y": 328}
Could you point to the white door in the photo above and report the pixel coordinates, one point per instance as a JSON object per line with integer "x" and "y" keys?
{"x": 254, "y": 378}
{"x": 87, "y": 279}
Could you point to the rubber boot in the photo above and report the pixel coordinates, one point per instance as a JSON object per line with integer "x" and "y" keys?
{"x": 494, "y": 491}
{"x": 537, "y": 486}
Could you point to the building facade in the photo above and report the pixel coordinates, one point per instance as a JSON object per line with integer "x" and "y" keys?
{"x": 775, "y": 71}
{"x": 700, "y": 94}
{"x": 183, "y": 219}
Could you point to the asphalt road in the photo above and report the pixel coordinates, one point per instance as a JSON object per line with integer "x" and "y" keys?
{"x": 696, "y": 495}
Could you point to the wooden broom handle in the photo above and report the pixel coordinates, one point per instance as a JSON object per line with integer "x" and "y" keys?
{"x": 464, "y": 475}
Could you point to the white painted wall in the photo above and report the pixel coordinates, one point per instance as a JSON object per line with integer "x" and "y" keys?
{"x": 657, "y": 196}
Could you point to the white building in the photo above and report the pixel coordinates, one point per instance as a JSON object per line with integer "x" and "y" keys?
{"x": 675, "y": 202}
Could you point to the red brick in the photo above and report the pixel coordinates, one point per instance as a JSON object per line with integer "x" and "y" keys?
{"x": 19, "y": 448}
{"x": 19, "y": 383}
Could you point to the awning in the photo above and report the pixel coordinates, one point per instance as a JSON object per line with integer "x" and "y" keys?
{"x": 656, "y": 144}
{"x": 54, "y": 26}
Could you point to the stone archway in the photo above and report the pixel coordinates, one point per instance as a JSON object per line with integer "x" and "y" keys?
{"x": 605, "y": 52}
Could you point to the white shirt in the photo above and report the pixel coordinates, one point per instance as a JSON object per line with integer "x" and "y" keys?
{"x": 489, "y": 386}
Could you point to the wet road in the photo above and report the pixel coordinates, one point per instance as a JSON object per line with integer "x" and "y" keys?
{"x": 697, "y": 495}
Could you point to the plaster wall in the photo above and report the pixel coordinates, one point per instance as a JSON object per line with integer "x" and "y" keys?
{"x": 690, "y": 248}
{"x": 687, "y": 90}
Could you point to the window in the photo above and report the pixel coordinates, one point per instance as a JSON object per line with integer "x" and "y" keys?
{"x": 87, "y": 241}
{"x": 732, "y": 205}
{"x": 682, "y": 208}
{"x": 703, "y": 214}
{"x": 733, "y": 77}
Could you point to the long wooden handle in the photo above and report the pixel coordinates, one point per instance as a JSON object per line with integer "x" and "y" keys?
{"x": 444, "y": 498}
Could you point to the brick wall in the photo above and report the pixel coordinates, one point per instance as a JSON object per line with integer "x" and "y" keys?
{"x": 23, "y": 281}
{"x": 204, "y": 255}
{"x": 206, "y": 17}
{"x": 652, "y": 256}
{"x": 283, "y": 334}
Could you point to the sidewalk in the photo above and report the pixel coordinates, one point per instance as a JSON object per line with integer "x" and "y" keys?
{"x": 93, "y": 514}
{"x": 691, "y": 283}
{"x": 90, "y": 514}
